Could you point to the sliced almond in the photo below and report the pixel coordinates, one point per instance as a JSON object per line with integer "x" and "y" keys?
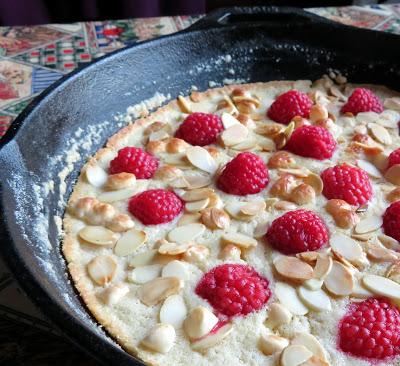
{"x": 98, "y": 235}
{"x": 311, "y": 343}
{"x": 253, "y": 208}
{"x": 158, "y": 135}
{"x": 234, "y": 135}
{"x": 392, "y": 175}
{"x": 198, "y": 181}
{"x": 313, "y": 284}
{"x": 184, "y": 105}
{"x": 228, "y": 120}
{"x": 175, "y": 145}
{"x": 186, "y": 233}
{"x": 270, "y": 344}
{"x": 382, "y": 286}
{"x": 315, "y": 300}
{"x": 346, "y": 247}
{"x": 178, "y": 160}
{"x": 102, "y": 269}
{"x": 266, "y": 144}
{"x": 340, "y": 281}
{"x": 179, "y": 182}
{"x": 389, "y": 242}
{"x": 197, "y": 206}
{"x": 240, "y": 240}
{"x": 199, "y": 322}
{"x": 114, "y": 293}
{"x": 234, "y": 209}
{"x": 189, "y": 218}
{"x": 143, "y": 259}
{"x": 96, "y": 175}
{"x": 160, "y": 339}
{"x": 173, "y": 311}
{"x": 260, "y": 230}
{"x": 293, "y": 268}
{"x": 278, "y": 315}
{"x": 315, "y": 361}
{"x": 114, "y": 196}
{"x": 359, "y": 291}
{"x": 214, "y": 218}
{"x": 393, "y": 195}
{"x": 196, "y": 254}
{"x": 145, "y": 274}
{"x": 294, "y": 355}
{"x": 369, "y": 168}
{"x": 230, "y": 253}
{"x": 212, "y": 339}
{"x": 285, "y": 206}
{"x": 297, "y": 172}
{"x": 362, "y": 237}
{"x": 380, "y": 133}
{"x": 381, "y": 254}
{"x": 314, "y": 181}
{"x": 201, "y": 158}
{"x": 121, "y": 181}
{"x": 153, "y": 292}
{"x": 371, "y": 223}
{"x": 392, "y": 103}
{"x": 129, "y": 242}
{"x": 323, "y": 266}
{"x": 394, "y": 272}
{"x": 308, "y": 257}
{"x": 169, "y": 248}
{"x": 248, "y": 144}
{"x": 175, "y": 268}
{"x": 287, "y": 296}
{"x": 197, "y": 194}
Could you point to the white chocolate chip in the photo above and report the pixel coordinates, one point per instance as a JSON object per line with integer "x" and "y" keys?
{"x": 160, "y": 339}
{"x": 199, "y": 322}
{"x": 294, "y": 355}
{"x": 102, "y": 269}
{"x": 278, "y": 315}
{"x": 96, "y": 175}
{"x": 114, "y": 293}
{"x": 175, "y": 268}
{"x": 173, "y": 311}
{"x": 270, "y": 344}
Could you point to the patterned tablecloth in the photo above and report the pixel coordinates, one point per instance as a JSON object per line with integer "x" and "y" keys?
{"x": 31, "y": 59}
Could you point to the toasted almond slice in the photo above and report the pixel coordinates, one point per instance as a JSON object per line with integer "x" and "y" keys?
{"x": 186, "y": 233}
{"x": 114, "y": 196}
{"x": 234, "y": 209}
{"x": 289, "y": 129}
{"x": 293, "y": 268}
{"x": 394, "y": 272}
{"x": 339, "y": 281}
{"x": 380, "y": 133}
{"x": 178, "y": 160}
{"x": 362, "y": 237}
{"x": 96, "y": 175}
{"x": 266, "y": 144}
{"x": 234, "y": 135}
{"x": 145, "y": 274}
{"x": 175, "y": 268}
{"x": 168, "y": 248}
{"x": 253, "y": 208}
{"x": 230, "y": 253}
{"x": 102, "y": 269}
{"x": 315, "y": 361}
{"x": 295, "y": 355}
{"x": 366, "y": 117}
{"x": 121, "y": 181}
{"x": 240, "y": 240}
{"x": 247, "y": 144}
{"x": 311, "y": 343}
{"x": 173, "y": 311}
{"x": 309, "y": 257}
{"x": 197, "y": 206}
{"x": 196, "y": 254}
{"x": 270, "y": 344}
{"x": 314, "y": 181}
{"x": 151, "y": 293}
{"x": 313, "y": 284}
{"x": 359, "y": 291}
{"x": 369, "y": 168}
{"x": 212, "y": 339}
{"x": 346, "y": 247}
{"x": 392, "y": 175}
{"x": 389, "y": 242}
{"x": 184, "y": 105}
{"x": 214, "y": 218}
{"x": 98, "y": 235}
{"x": 160, "y": 339}
{"x": 315, "y": 300}
{"x": 381, "y": 254}
{"x": 197, "y": 194}
{"x": 392, "y": 103}
{"x": 287, "y": 296}
{"x": 158, "y": 135}
{"x": 199, "y": 322}
{"x": 323, "y": 266}
{"x": 382, "y": 286}
{"x": 369, "y": 224}
{"x": 198, "y": 181}
{"x": 179, "y": 182}
{"x": 285, "y": 206}
{"x": 260, "y": 230}
{"x": 297, "y": 172}
{"x": 114, "y": 293}
{"x": 201, "y": 158}
{"x": 228, "y": 120}
{"x": 189, "y": 218}
{"x": 129, "y": 242}
{"x": 143, "y": 259}
{"x": 278, "y": 315}
{"x": 215, "y": 201}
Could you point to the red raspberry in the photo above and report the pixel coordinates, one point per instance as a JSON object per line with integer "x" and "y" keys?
{"x": 244, "y": 174}
{"x": 347, "y": 183}
{"x": 134, "y": 160}
{"x": 312, "y": 142}
{"x": 362, "y": 100}
{"x": 200, "y": 129}
{"x": 371, "y": 329}
{"x": 289, "y": 105}
{"x": 234, "y": 289}
{"x": 394, "y": 158}
{"x": 155, "y": 206}
{"x": 297, "y": 231}
{"x": 391, "y": 221}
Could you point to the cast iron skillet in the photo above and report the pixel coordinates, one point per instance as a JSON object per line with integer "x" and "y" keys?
{"x": 265, "y": 43}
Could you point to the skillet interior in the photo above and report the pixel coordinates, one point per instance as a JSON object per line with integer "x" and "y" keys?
{"x": 264, "y": 44}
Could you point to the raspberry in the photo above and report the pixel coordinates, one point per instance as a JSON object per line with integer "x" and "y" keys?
{"x": 362, "y": 100}
{"x": 391, "y": 221}
{"x": 289, "y": 105}
{"x": 297, "y": 231}
{"x": 394, "y": 158}
{"x": 312, "y": 142}
{"x": 244, "y": 174}
{"x": 347, "y": 183}
{"x": 200, "y": 129}
{"x": 371, "y": 329}
{"x": 234, "y": 289}
{"x": 134, "y": 160}
{"x": 155, "y": 206}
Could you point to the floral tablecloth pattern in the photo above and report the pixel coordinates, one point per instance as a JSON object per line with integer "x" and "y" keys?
{"x": 31, "y": 59}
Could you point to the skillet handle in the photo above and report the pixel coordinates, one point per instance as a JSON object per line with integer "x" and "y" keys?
{"x": 258, "y": 14}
